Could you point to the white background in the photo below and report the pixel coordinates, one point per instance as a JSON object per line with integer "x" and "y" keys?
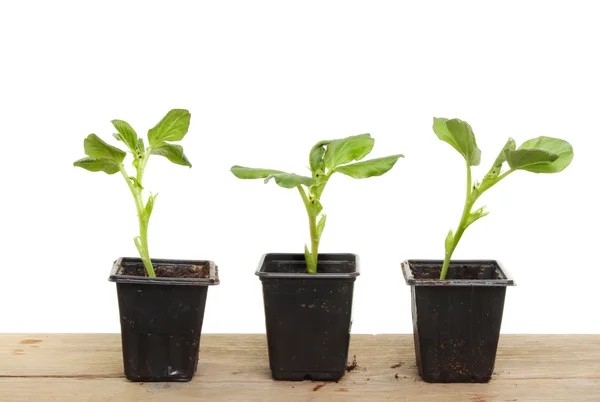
{"x": 264, "y": 81}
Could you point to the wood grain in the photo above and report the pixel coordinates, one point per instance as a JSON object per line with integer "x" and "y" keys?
{"x": 88, "y": 367}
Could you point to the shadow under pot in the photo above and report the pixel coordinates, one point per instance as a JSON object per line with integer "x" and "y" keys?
{"x": 456, "y": 321}
{"x": 308, "y": 316}
{"x": 161, "y": 318}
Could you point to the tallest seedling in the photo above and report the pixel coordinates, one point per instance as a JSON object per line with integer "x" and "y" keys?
{"x": 103, "y": 157}
{"x": 326, "y": 158}
{"x": 538, "y": 155}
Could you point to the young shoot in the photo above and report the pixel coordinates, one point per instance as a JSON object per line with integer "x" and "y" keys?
{"x": 325, "y": 159}
{"x": 538, "y": 155}
{"x": 102, "y": 157}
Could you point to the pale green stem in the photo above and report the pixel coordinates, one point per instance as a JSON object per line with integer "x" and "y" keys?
{"x": 314, "y": 241}
{"x": 142, "y": 218}
{"x": 472, "y": 196}
{"x": 312, "y": 223}
{"x": 142, "y": 165}
{"x": 502, "y": 176}
{"x": 461, "y": 226}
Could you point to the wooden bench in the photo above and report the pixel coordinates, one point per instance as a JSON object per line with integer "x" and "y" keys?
{"x": 89, "y": 367}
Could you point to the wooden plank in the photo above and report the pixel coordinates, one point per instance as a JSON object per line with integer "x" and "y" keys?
{"x": 116, "y": 390}
{"x": 61, "y": 355}
{"x": 235, "y": 367}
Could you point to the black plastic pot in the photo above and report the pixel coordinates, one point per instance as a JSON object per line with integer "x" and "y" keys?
{"x": 161, "y": 319}
{"x": 456, "y": 322}
{"x": 308, "y": 316}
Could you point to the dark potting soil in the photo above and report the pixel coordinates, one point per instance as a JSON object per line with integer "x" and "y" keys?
{"x": 318, "y": 387}
{"x": 175, "y": 271}
{"x": 468, "y": 272}
{"x": 399, "y": 364}
{"x": 353, "y": 365}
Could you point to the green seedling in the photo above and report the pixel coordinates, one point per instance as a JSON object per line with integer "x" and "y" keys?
{"x": 538, "y": 155}
{"x": 102, "y": 157}
{"x": 325, "y": 159}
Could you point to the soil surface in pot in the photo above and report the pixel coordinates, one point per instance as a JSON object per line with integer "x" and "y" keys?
{"x": 175, "y": 271}
{"x": 463, "y": 271}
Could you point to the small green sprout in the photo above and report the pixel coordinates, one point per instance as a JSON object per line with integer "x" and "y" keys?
{"x": 325, "y": 159}
{"x": 538, "y": 155}
{"x": 106, "y": 158}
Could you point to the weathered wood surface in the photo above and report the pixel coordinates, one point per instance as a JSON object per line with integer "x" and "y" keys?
{"x": 88, "y": 367}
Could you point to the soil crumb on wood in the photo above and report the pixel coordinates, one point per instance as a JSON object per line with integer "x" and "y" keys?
{"x": 399, "y": 364}
{"x": 353, "y": 365}
{"x": 318, "y": 387}
{"x": 172, "y": 271}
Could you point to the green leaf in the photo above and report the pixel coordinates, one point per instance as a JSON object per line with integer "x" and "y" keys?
{"x": 473, "y": 216}
{"x": 290, "y": 180}
{"x": 242, "y": 172}
{"x": 370, "y": 168}
{"x": 317, "y": 207}
{"x": 136, "y": 183}
{"x": 138, "y": 245}
{"x": 497, "y": 166}
{"x": 172, "y": 152}
{"x": 316, "y": 189}
{"x": 316, "y": 156}
{"x": 139, "y": 153}
{"x": 345, "y": 150}
{"x": 449, "y": 242}
{"x": 97, "y": 148}
{"x": 140, "y": 147}
{"x": 541, "y": 155}
{"x": 460, "y": 135}
{"x": 286, "y": 180}
{"x": 532, "y": 160}
{"x": 149, "y": 206}
{"x": 173, "y": 127}
{"x": 126, "y": 134}
{"x": 321, "y": 226}
{"x": 311, "y": 267}
{"x": 98, "y": 165}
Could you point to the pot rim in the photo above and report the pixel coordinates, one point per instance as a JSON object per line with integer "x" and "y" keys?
{"x": 213, "y": 279}
{"x": 505, "y": 278}
{"x": 352, "y": 259}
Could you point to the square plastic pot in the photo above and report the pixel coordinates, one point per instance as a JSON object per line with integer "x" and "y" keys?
{"x": 456, "y": 322}
{"x": 161, "y": 319}
{"x": 308, "y": 316}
